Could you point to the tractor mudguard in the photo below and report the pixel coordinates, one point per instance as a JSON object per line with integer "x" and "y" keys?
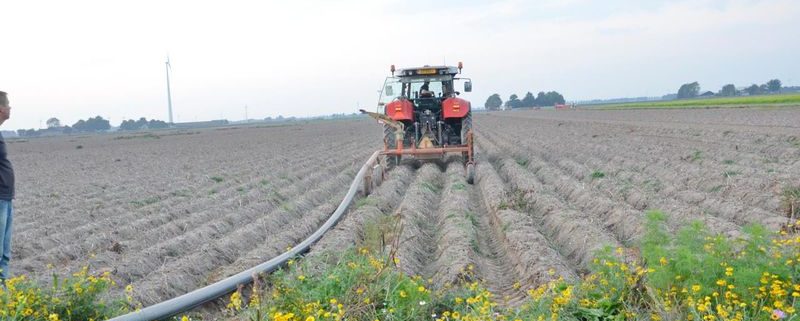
{"x": 455, "y": 107}
{"x": 400, "y": 110}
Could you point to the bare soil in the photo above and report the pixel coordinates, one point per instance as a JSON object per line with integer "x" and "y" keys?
{"x": 187, "y": 208}
{"x": 554, "y": 187}
{"x": 170, "y": 211}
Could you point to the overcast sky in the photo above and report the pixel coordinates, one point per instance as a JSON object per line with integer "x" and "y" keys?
{"x": 77, "y": 59}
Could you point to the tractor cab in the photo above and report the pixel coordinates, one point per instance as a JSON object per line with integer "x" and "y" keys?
{"x": 423, "y": 115}
{"x": 426, "y": 87}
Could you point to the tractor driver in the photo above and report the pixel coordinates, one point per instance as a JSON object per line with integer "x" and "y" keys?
{"x": 424, "y": 91}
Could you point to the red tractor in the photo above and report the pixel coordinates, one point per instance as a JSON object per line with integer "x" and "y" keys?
{"x": 423, "y": 116}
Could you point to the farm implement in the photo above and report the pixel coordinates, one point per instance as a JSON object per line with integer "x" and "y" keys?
{"x": 424, "y": 118}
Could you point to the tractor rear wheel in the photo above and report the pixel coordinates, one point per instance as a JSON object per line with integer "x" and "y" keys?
{"x": 466, "y": 126}
{"x": 388, "y": 137}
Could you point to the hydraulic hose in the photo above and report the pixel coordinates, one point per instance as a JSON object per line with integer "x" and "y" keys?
{"x": 211, "y": 292}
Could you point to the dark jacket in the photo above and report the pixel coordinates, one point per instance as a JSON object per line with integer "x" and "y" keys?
{"x": 6, "y": 173}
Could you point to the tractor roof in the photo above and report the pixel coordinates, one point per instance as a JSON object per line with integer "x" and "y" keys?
{"x": 428, "y": 71}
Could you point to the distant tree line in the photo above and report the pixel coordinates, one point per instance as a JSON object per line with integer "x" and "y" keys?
{"x": 95, "y": 124}
{"x": 542, "y": 99}
{"x": 692, "y": 90}
{"x": 142, "y": 123}
{"x": 54, "y": 127}
{"x": 90, "y": 125}
{"x": 280, "y": 118}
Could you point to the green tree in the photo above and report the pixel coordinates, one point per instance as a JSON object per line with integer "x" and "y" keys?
{"x": 92, "y": 125}
{"x": 493, "y": 102}
{"x": 549, "y": 98}
{"x": 53, "y": 123}
{"x": 728, "y": 90}
{"x": 774, "y": 85}
{"x": 129, "y": 124}
{"x": 79, "y": 126}
{"x": 753, "y": 90}
{"x": 689, "y": 90}
{"x": 513, "y": 101}
{"x": 156, "y": 124}
{"x": 555, "y": 97}
{"x": 529, "y": 100}
{"x": 141, "y": 123}
{"x": 541, "y": 99}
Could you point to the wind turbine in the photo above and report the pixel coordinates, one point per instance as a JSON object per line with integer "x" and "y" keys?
{"x": 169, "y": 94}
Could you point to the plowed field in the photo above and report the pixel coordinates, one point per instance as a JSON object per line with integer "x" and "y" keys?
{"x": 553, "y": 187}
{"x": 171, "y": 211}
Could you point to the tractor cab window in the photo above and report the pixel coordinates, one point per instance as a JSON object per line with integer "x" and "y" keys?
{"x": 427, "y": 87}
{"x": 412, "y": 88}
{"x": 392, "y": 89}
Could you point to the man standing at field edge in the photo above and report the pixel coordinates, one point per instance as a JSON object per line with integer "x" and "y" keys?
{"x": 6, "y": 193}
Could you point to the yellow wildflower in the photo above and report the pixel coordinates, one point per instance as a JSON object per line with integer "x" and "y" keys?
{"x": 236, "y": 301}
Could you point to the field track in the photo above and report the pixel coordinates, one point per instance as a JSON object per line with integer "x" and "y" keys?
{"x": 172, "y": 211}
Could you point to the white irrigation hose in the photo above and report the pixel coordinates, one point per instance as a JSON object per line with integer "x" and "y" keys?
{"x": 202, "y": 295}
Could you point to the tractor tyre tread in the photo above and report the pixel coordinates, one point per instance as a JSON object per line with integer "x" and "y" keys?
{"x": 466, "y": 125}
